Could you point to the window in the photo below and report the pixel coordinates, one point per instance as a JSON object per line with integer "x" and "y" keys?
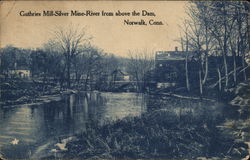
{"x": 160, "y": 65}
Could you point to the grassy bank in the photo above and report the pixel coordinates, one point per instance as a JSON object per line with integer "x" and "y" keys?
{"x": 157, "y": 135}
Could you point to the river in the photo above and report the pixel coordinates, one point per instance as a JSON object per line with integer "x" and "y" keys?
{"x": 24, "y": 128}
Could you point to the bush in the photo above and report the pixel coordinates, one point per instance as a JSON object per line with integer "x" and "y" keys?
{"x": 159, "y": 134}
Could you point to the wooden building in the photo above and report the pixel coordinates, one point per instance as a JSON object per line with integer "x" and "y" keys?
{"x": 170, "y": 67}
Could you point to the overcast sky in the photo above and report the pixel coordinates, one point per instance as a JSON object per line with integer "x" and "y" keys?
{"x": 109, "y": 33}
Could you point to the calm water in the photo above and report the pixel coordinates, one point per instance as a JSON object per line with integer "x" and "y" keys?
{"x": 33, "y": 125}
{"x": 36, "y": 125}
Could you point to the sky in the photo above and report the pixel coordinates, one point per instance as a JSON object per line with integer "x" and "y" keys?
{"x": 109, "y": 32}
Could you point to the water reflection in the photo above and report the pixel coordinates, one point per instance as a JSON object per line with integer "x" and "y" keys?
{"x": 215, "y": 112}
{"x": 37, "y": 124}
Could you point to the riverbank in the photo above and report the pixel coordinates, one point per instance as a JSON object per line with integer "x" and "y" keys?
{"x": 162, "y": 134}
{"x": 37, "y": 100}
{"x": 23, "y": 91}
{"x": 157, "y": 135}
{"x": 241, "y": 127}
{"x": 26, "y": 92}
{"x": 241, "y": 95}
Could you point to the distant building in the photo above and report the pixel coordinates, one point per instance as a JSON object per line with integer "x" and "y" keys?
{"x": 170, "y": 67}
{"x": 119, "y": 75}
{"x": 21, "y": 73}
{"x": 174, "y": 55}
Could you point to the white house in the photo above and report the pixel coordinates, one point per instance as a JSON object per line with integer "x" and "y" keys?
{"x": 22, "y": 73}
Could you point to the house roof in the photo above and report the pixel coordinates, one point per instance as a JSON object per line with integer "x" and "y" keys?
{"x": 118, "y": 71}
{"x": 173, "y": 55}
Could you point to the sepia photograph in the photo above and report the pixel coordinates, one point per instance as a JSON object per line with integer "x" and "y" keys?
{"x": 124, "y": 80}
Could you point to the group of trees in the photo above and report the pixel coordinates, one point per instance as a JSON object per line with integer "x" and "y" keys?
{"x": 67, "y": 58}
{"x": 218, "y": 31}
{"x": 89, "y": 69}
{"x": 11, "y": 56}
{"x": 141, "y": 67}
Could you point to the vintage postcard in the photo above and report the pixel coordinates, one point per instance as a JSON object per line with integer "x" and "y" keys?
{"x": 167, "y": 80}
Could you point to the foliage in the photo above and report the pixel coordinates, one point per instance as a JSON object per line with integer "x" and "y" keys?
{"x": 160, "y": 134}
{"x": 11, "y": 57}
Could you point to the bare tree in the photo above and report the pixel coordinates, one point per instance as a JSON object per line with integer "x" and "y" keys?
{"x": 218, "y": 28}
{"x": 140, "y": 64}
{"x": 70, "y": 39}
{"x": 92, "y": 61}
{"x": 58, "y": 66}
{"x": 185, "y": 44}
{"x": 242, "y": 32}
{"x": 194, "y": 39}
{"x": 221, "y": 26}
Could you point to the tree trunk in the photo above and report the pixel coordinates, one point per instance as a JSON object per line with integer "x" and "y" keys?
{"x": 201, "y": 85}
{"x": 219, "y": 76}
{"x": 68, "y": 73}
{"x": 243, "y": 66}
{"x": 206, "y": 69}
{"x": 86, "y": 81}
{"x": 226, "y": 68}
{"x": 234, "y": 60}
{"x": 241, "y": 48}
{"x": 206, "y": 59}
{"x": 186, "y": 67}
{"x": 61, "y": 80}
{"x": 225, "y": 47}
{"x": 138, "y": 83}
{"x": 235, "y": 71}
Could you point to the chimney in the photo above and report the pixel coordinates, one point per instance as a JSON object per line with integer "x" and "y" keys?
{"x": 176, "y": 49}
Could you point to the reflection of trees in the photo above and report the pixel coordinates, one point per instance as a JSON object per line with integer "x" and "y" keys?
{"x": 72, "y": 114}
{"x": 203, "y": 111}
